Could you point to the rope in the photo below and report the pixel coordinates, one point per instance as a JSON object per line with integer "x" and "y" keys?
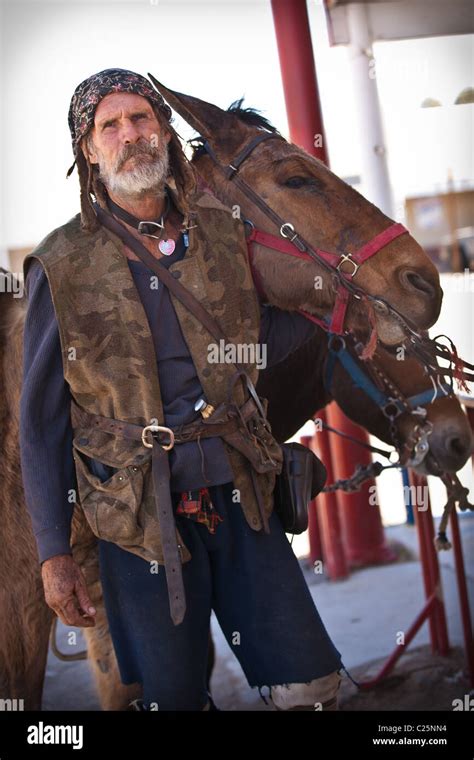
{"x": 359, "y": 476}
{"x": 457, "y": 493}
{"x": 384, "y": 452}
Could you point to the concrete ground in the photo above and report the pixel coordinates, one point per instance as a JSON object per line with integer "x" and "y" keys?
{"x": 366, "y": 614}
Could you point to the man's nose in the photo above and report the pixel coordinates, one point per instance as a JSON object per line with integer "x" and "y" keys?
{"x": 130, "y": 134}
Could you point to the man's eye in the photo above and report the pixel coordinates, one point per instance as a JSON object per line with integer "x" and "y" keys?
{"x": 295, "y": 182}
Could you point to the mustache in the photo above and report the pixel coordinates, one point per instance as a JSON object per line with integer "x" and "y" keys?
{"x": 132, "y": 150}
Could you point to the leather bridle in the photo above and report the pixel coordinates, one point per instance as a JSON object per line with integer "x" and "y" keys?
{"x": 424, "y": 349}
{"x": 293, "y": 243}
{"x": 371, "y": 379}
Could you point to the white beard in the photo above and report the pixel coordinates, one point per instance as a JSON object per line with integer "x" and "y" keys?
{"x": 146, "y": 175}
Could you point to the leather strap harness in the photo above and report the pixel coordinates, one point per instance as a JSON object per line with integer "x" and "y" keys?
{"x": 295, "y": 245}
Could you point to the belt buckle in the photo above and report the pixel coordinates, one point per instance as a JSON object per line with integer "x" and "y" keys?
{"x": 158, "y": 429}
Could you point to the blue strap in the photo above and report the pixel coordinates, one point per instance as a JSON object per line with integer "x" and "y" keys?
{"x": 365, "y": 384}
{"x": 330, "y": 364}
{"x": 426, "y": 397}
{"x": 359, "y": 377}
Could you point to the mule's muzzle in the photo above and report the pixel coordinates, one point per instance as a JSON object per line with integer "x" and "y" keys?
{"x": 451, "y": 448}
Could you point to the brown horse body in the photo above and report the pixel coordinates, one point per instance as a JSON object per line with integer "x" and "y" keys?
{"x": 295, "y": 391}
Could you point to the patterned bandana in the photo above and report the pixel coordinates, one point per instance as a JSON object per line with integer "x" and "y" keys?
{"x": 90, "y": 92}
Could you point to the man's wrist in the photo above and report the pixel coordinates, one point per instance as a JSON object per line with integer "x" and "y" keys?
{"x": 53, "y": 541}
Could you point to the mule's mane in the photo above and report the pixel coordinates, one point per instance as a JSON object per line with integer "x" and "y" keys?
{"x": 250, "y": 116}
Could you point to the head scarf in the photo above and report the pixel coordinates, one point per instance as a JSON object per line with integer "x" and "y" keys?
{"x": 90, "y": 92}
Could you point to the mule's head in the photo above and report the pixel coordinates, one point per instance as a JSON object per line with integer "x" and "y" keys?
{"x": 324, "y": 210}
{"x": 450, "y": 440}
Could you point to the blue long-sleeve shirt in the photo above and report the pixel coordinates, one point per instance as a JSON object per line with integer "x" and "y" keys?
{"x": 45, "y": 425}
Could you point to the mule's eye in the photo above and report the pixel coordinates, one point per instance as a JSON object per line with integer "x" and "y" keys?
{"x": 295, "y": 182}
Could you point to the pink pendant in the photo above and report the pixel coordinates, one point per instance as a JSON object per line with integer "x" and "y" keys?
{"x": 167, "y": 246}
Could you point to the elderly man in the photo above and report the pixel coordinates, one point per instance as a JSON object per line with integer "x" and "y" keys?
{"x": 108, "y": 351}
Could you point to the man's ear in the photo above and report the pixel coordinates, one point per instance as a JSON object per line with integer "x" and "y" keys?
{"x": 89, "y": 153}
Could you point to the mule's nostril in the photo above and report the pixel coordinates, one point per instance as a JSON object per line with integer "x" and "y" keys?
{"x": 457, "y": 446}
{"x": 451, "y": 448}
{"x": 414, "y": 281}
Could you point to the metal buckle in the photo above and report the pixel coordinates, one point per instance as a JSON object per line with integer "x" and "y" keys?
{"x": 249, "y": 228}
{"x": 289, "y": 236}
{"x": 348, "y": 257}
{"x": 422, "y": 446}
{"x": 158, "y": 429}
{"x": 391, "y": 405}
{"x": 336, "y": 343}
{"x": 148, "y": 234}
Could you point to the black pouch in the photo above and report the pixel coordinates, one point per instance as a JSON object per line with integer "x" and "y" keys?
{"x": 302, "y": 477}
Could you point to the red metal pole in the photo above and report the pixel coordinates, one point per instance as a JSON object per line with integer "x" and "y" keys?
{"x": 315, "y": 546}
{"x": 303, "y": 107}
{"x": 463, "y": 595}
{"x": 430, "y": 564}
{"x": 295, "y": 50}
{"x": 333, "y": 552}
{"x": 388, "y": 666}
{"x": 470, "y": 415}
{"x": 361, "y": 522}
{"x": 425, "y": 567}
{"x": 359, "y": 514}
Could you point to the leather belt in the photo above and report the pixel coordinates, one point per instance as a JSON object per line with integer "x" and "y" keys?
{"x": 161, "y": 481}
{"x": 164, "y": 507}
{"x": 181, "y": 434}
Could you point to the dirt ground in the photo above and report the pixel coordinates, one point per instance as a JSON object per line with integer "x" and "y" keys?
{"x": 419, "y": 681}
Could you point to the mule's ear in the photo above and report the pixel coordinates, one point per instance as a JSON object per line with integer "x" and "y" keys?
{"x": 208, "y": 120}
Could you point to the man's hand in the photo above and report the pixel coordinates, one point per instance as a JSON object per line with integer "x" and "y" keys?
{"x": 65, "y": 591}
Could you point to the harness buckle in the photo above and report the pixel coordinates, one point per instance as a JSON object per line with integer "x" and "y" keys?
{"x": 336, "y": 343}
{"x": 348, "y": 257}
{"x": 289, "y": 236}
{"x": 391, "y": 409}
{"x": 158, "y": 429}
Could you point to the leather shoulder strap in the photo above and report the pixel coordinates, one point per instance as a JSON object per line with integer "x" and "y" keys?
{"x": 175, "y": 287}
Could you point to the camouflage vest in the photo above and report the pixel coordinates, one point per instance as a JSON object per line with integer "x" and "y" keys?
{"x": 110, "y": 365}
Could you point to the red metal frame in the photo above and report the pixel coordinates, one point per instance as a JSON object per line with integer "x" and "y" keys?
{"x": 334, "y": 556}
{"x": 434, "y": 610}
{"x": 362, "y": 530}
{"x": 300, "y": 86}
{"x": 463, "y": 595}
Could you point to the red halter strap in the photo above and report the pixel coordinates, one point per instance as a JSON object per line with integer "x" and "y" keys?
{"x": 335, "y": 260}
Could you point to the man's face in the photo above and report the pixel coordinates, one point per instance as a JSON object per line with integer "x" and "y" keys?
{"x": 130, "y": 146}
